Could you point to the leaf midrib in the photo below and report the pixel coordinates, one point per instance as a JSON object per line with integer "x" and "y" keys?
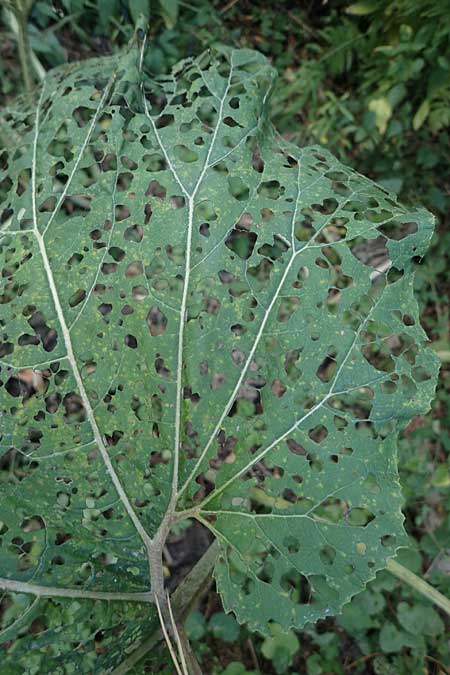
{"x": 191, "y": 206}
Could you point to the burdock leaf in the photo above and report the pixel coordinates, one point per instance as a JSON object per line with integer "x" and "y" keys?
{"x": 195, "y": 315}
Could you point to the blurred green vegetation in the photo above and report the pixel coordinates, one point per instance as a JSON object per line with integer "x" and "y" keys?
{"x": 371, "y": 81}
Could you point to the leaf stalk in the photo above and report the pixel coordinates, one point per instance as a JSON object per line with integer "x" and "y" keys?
{"x": 419, "y": 585}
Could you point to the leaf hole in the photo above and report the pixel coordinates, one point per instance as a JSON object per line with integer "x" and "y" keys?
{"x": 327, "y": 555}
{"x": 156, "y": 321}
{"x": 318, "y": 433}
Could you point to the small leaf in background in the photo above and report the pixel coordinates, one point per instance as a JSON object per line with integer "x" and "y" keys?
{"x": 362, "y": 8}
{"x": 73, "y": 5}
{"x": 441, "y": 477}
{"x": 224, "y": 627}
{"x": 328, "y": 657}
{"x": 419, "y": 619}
{"x": 394, "y": 640}
{"x": 236, "y": 668}
{"x": 410, "y": 558}
{"x": 281, "y": 648}
{"x": 139, "y": 8}
{"x": 106, "y": 9}
{"x": 421, "y": 115}
{"x": 169, "y": 12}
{"x": 382, "y": 109}
{"x": 195, "y": 625}
{"x": 397, "y": 94}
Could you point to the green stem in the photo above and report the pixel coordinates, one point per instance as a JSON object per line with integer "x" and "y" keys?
{"x": 193, "y": 665}
{"x": 419, "y": 585}
{"x": 23, "y": 47}
{"x": 17, "y": 18}
{"x": 195, "y": 583}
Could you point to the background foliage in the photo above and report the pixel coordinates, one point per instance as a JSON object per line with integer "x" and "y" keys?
{"x": 371, "y": 81}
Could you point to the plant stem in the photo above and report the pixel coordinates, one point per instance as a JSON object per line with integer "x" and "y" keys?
{"x": 155, "y": 559}
{"x": 193, "y": 665}
{"x": 196, "y": 582}
{"x": 18, "y": 17}
{"x": 60, "y": 592}
{"x": 22, "y": 45}
{"x": 190, "y": 589}
{"x": 419, "y": 585}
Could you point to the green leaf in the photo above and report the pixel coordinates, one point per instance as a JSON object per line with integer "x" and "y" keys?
{"x": 169, "y": 12}
{"x": 280, "y": 648}
{"x": 394, "y": 640}
{"x": 382, "y": 109}
{"x": 419, "y": 619}
{"x": 195, "y": 625}
{"x": 195, "y": 315}
{"x": 362, "y": 8}
{"x": 106, "y": 9}
{"x": 441, "y": 477}
{"x": 236, "y": 668}
{"x": 224, "y": 627}
{"x": 421, "y": 114}
{"x": 138, "y": 9}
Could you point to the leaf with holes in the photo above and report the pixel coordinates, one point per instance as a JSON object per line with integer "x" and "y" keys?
{"x": 198, "y": 319}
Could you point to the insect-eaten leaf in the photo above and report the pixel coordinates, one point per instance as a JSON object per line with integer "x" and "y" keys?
{"x": 193, "y": 312}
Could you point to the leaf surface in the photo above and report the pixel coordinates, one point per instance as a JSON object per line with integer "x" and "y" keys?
{"x": 198, "y": 315}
